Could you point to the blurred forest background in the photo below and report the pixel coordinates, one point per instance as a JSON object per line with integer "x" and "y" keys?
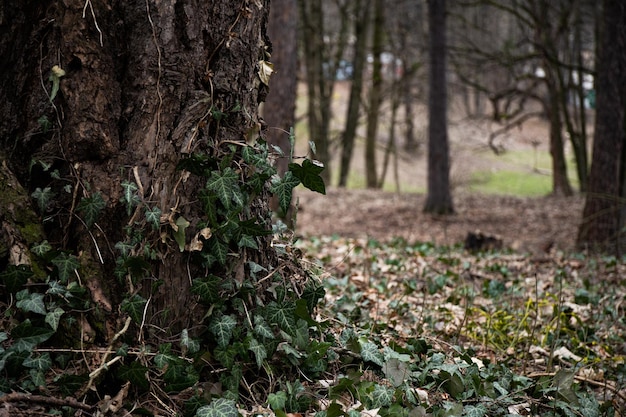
{"x": 520, "y": 79}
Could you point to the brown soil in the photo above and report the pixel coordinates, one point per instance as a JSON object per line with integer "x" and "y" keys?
{"x": 533, "y": 225}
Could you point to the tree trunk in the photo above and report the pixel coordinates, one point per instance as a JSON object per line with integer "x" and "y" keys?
{"x": 141, "y": 86}
{"x": 375, "y": 97}
{"x": 354, "y": 102}
{"x": 603, "y": 216}
{"x": 560, "y": 181}
{"x": 279, "y": 108}
{"x": 439, "y": 199}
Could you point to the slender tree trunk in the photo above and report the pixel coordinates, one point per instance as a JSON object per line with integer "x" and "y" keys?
{"x": 361, "y": 25}
{"x": 439, "y": 199}
{"x": 560, "y": 181}
{"x": 375, "y": 97}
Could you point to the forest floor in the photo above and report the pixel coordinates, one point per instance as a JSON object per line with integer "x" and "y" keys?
{"x": 400, "y": 280}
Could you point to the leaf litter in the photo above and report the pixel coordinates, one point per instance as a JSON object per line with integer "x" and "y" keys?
{"x": 543, "y": 315}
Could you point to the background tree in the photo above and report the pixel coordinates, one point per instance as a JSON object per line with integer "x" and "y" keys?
{"x": 603, "y": 216}
{"x": 133, "y": 126}
{"x": 439, "y": 199}
{"x": 280, "y": 106}
{"x": 361, "y": 25}
{"x": 375, "y": 95}
{"x": 535, "y": 54}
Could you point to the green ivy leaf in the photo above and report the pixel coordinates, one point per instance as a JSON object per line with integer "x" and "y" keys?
{"x": 66, "y": 265}
{"x": 370, "y": 352}
{"x": 277, "y": 401}
{"x": 165, "y": 356}
{"x": 218, "y": 249}
{"x": 313, "y": 292}
{"x": 309, "y": 174}
{"x": 129, "y": 196}
{"x": 253, "y": 228}
{"x": 27, "y": 336}
{"x": 30, "y": 302}
{"x": 219, "y": 407}
{"x": 222, "y": 327}
{"x": 15, "y": 276}
{"x": 262, "y": 329}
{"x": 136, "y": 374}
{"x": 41, "y": 362}
{"x": 91, "y": 207}
{"x": 381, "y": 396}
{"x": 53, "y": 318}
{"x": 41, "y": 249}
{"x": 283, "y": 315}
{"x": 301, "y": 336}
{"x": 153, "y": 216}
{"x": 225, "y": 185}
{"x": 134, "y": 307}
{"x": 207, "y": 288}
{"x": 283, "y": 189}
{"x": 191, "y": 345}
{"x": 179, "y": 376}
{"x": 247, "y": 241}
{"x": 259, "y": 351}
{"x": 43, "y": 197}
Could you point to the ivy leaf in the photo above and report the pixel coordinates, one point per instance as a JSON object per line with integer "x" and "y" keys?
{"x": 42, "y": 362}
{"x": 91, "y": 207}
{"x": 136, "y": 374}
{"x": 259, "y": 351}
{"x": 381, "y": 396}
{"x": 313, "y": 292}
{"x": 218, "y": 249}
{"x": 43, "y": 197}
{"x": 179, "y": 376}
{"x": 370, "y": 352}
{"x": 165, "y": 356}
{"x": 301, "y": 336}
{"x": 309, "y": 174}
{"x": 30, "y": 302}
{"x": 66, "y": 265}
{"x": 207, "y": 288}
{"x": 15, "y": 276}
{"x": 224, "y": 185}
{"x": 247, "y": 241}
{"x": 153, "y": 216}
{"x": 261, "y": 328}
{"x": 283, "y": 315}
{"x": 220, "y": 407}
{"x": 283, "y": 189}
{"x": 129, "y": 196}
{"x": 134, "y": 306}
{"x": 277, "y": 400}
{"x": 222, "y": 327}
{"x": 191, "y": 345}
{"x": 253, "y": 228}
{"x": 41, "y": 249}
{"x": 53, "y": 318}
{"x": 27, "y": 336}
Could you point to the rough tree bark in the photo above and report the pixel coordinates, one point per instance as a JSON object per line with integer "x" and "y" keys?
{"x": 142, "y": 84}
{"x": 439, "y": 199}
{"x": 603, "y": 216}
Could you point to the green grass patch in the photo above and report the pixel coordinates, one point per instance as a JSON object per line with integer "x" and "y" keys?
{"x": 531, "y": 184}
